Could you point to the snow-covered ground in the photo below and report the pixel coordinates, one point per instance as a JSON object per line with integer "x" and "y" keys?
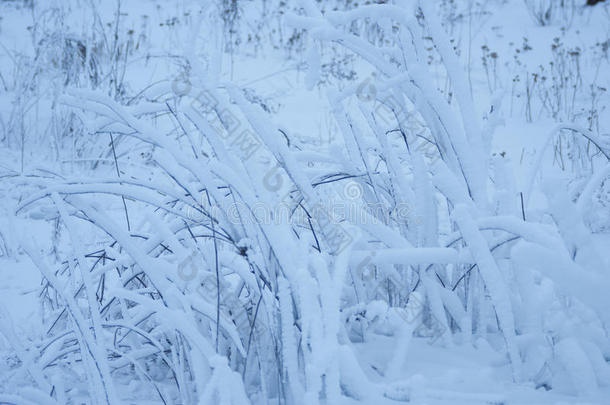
{"x": 302, "y": 202}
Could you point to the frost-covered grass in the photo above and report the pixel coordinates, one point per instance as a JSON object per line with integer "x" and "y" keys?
{"x": 303, "y": 202}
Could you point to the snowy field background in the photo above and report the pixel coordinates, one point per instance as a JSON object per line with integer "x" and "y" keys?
{"x": 304, "y": 202}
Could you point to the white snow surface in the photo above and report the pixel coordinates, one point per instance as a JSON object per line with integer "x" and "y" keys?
{"x": 304, "y": 202}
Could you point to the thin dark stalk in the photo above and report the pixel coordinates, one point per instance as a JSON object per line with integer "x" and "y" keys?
{"x": 217, "y": 274}
{"x": 475, "y": 265}
{"x": 252, "y": 326}
{"x": 116, "y": 165}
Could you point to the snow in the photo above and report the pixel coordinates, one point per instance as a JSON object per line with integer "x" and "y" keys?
{"x": 304, "y": 202}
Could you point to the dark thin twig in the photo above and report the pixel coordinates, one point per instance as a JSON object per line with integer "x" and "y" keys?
{"x": 183, "y": 130}
{"x": 217, "y": 275}
{"x": 475, "y": 265}
{"x": 116, "y": 165}
{"x": 522, "y": 207}
{"x": 252, "y": 326}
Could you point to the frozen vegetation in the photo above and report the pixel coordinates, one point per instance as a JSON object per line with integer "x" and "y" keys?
{"x": 302, "y": 202}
